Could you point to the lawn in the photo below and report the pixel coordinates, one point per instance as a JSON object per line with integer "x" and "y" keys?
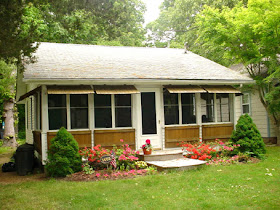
{"x": 245, "y": 186}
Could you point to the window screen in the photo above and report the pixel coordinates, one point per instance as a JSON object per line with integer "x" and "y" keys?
{"x": 79, "y": 111}
{"x": 102, "y": 111}
{"x": 171, "y": 108}
{"x": 223, "y": 109}
{"x": 123, "y": 110}
{"x": 207, "y": 107}
{"x": 57, "y": 111}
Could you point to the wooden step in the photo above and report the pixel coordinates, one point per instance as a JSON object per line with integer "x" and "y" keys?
{"x": 162, "y": 155}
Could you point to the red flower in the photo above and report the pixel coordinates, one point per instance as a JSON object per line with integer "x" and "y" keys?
{"x": 148, "y": 141}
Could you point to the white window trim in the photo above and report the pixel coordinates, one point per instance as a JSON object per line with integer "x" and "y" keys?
{"x": 181, "y": 112}
{"x": 113, "y": 113}
{"x": 68, "y": 115}
{"x": 249, "y": 103}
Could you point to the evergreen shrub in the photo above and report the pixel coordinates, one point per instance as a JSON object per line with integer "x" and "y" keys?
{"x": 248, "y": 137}
{"x": 63, "y": 155}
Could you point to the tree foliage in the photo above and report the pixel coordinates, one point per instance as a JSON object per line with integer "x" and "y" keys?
{"x": 177, "y": 18}
{"x": 115, "y": 22}
{"x": 248, "y": 137}
{"x": 249, "y": 35}
{"x": 63, "y": 155}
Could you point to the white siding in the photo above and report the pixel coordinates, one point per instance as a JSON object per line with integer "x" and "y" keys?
{"x": 30, "y": 114}
{"x": 258, "y": 114}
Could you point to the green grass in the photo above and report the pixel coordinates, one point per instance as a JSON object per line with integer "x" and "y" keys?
{"x": 9, "y": 149}
{"x": 211, "y": 187}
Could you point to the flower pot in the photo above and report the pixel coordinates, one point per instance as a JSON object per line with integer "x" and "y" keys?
{"x": 147, "y": 152}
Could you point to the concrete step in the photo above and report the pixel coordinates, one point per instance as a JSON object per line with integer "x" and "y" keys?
{"x": 162, "y": 155}
{"x": 177, "y": 164}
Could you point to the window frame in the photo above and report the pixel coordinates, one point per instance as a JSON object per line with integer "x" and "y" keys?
{"x": 248, "y": 103}
{"x": 113, "y": 113}
{"x": 180, "y": 110}
{"x": 68, "y": 114}
{"x": 221, "y": 104}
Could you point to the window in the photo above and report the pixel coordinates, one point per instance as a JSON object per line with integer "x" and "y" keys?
{"x": 79, "y": 111}
{"x": 57, "y": 111}
{"x": 123, "y": 110}
{"x": 37, "y": 114}
{"x": 112, "y": 110}
{"x": 207, "y": 107}
{"x": 179, "y": 108}
{"x": 31, "y": 113}
{"x": 223, "y": 107}
{"x": 188, "y": 108}
{"x": 171, "y": 108}
{"x": 102, "y": 110}
{"x": 246, "y": 108}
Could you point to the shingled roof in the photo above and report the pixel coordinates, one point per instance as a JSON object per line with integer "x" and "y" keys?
{"x": 78, "y": 62}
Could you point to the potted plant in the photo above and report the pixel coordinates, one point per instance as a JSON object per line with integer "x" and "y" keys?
{"x": 147, "y": 148}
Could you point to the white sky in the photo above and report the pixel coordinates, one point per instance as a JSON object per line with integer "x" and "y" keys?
{"x": 152, "y": 10}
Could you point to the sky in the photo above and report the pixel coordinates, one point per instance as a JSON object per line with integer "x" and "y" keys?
{"x": 152, "y": 10}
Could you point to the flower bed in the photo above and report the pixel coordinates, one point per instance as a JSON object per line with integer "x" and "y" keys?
{"x": 218, "y": 153}
{"x": 109, "y": 175}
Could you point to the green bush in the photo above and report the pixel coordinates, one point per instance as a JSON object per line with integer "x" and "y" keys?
{"x": 63, "y": 156}
{"x": 248, "y": 137}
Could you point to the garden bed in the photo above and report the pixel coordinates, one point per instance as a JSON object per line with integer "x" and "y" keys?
{"x": 107, "y": 175}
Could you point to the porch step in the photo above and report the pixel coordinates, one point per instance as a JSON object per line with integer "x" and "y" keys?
{"x": 178, "y": 164}
{"x": 162, "y": 155}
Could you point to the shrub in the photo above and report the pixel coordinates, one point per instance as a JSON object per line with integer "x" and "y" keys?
{"x": 63, "y": 156}
{"x": 248, "y": 137}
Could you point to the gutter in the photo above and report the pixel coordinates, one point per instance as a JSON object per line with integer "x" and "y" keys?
{"x": 134, "y": 81}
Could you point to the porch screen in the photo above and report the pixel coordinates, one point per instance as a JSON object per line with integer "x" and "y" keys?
{"x": 57, "y": 111}
{"x": 207, "y": 107}
{"x": 79, "y": 111}
{"x": 223, "y": 107}
{"x": 102, "y": 111}
{"x": 179, "y": 108}
{"x": 123, "y": 110}
{"x": 171, "y": 108}
{"x": 112, "y": 111}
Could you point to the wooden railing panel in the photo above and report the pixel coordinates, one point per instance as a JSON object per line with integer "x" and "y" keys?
{"x": 177, "y": 134}
{"x": 82, "y": 137}
{"x": 37, "y": 141}
{"x": 217, "y": 131}
{"x": 108, "y": 138}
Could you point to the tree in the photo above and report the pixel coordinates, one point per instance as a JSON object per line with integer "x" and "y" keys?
{"x": 20, "y": 25}
{"x": 248, "y": 35}
{"x": 176, "y": 22}
{"x": 63, "y": 155}
{"x": 248, "y": 137}
{"x": 117, "y": 22}
{"x": 7, "y": 83}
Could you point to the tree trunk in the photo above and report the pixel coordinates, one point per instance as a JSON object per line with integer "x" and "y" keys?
{"x": 9, "y": 130}
{"x": 278, "y": 134}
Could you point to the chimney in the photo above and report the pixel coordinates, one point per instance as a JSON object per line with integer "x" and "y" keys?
{"x": 186, "y": 47}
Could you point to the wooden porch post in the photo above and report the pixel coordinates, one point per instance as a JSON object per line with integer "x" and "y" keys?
{"x": 45, "y": 123}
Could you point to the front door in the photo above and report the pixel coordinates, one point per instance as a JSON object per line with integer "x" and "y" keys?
{"x": 150, "y": 117}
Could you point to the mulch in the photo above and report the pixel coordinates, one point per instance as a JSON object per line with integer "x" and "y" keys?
{"x": 81, "y": 176}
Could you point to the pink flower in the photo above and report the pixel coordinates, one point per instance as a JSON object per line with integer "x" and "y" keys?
{"x": 148, "y": 141}
{"x": 97, "y": 175}
{"x": 122, "y": 157}
{"x": 121, "y": 140}
{"x": 137, "y": 152}
{"x": 125, "y": 173}
{"x": 106, "y": 175}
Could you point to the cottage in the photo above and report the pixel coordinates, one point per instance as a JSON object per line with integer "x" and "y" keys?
{"x": 103, "y": 94}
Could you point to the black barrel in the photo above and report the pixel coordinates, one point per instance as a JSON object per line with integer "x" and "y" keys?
{"x": 25, "y": 159}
